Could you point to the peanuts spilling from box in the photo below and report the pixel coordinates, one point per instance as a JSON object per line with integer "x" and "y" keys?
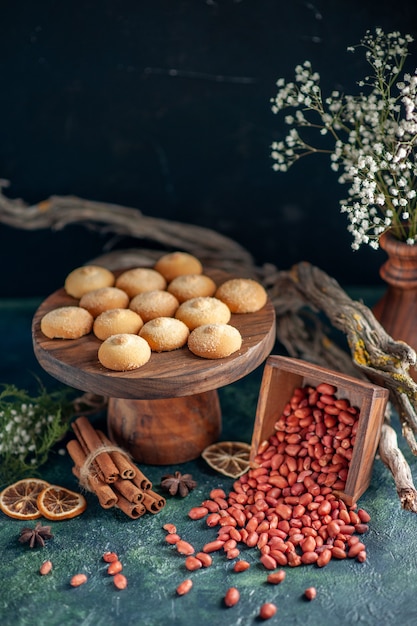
{"x": 297, "y": 504}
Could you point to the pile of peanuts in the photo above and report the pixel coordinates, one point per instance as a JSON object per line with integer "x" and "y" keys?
{"x": 286, "y": 507}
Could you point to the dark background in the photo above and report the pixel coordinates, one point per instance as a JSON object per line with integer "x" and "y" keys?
{"x": 90, "y": 106}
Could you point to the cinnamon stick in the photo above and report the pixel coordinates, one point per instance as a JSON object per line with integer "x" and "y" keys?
{"x": 153, "y": 501}
{"x": 126, "y": 469}
{"x": 128, "y": 490}
{"x": 142, "y": 481}
{"x": 132, "y": 510}
{"x": 102, "y": 490}
{"x": 91, "y": 442}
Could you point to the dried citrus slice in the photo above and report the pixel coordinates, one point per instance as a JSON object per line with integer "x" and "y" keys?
{"x": 20, "y": 499}
{"x": 230, "y": 458}
{"x": 58, "y": 503}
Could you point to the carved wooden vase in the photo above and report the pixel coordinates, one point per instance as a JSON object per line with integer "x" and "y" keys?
{"x": 397, "y": 309}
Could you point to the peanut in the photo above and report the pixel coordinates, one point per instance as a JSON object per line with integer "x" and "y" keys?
{"x": 78, "y": 579}
{"x": 110, "y": 557}
{"x": 114, "y": 568}
{"x": 310, "y": 593}
{"x": 204, "y": 558}
{"x": 192, "y": 563}
{"x": 213, "y": 546}
{"x": 198, "y": 512}
{"x": 120, "y": 581}
{"x": 45, "y": 568}
{"x": 267, "y": 610}
{"x": 276, "y": 578}
{"x": 241, "y": 566}
{"x": 232, "y": 597}
{"x": 183, "y": 547}
{"x": 184, "y": 587}
{"x": 170, "y": 528}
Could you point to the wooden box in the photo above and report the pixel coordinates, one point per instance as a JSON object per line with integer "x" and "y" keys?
{"x": 283, "y": 374}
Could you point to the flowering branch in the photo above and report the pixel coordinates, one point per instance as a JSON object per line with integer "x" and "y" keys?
{"x": 373, "y": 138}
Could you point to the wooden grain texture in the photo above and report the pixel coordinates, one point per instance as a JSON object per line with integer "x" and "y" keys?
{"x": 283, "y": 374}
{"x": 168, "y": 374}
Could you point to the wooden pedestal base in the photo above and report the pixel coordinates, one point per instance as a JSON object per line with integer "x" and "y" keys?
{"x": 165, "y": 431}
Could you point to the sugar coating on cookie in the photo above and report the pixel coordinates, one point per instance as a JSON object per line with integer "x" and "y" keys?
{"x": 140, "y": 279}
{"x": 190, "y": 286}
{"x": 103, "y": 299}
{"x": 242, "y": 295}
{"x": 165, "y": 334}
{"x": 67, "y": 322}
{"x": 214, "y": 341}
{"x": 152, "y": 304}
{"x": 124, "y": 352}
{"x": 116, "y": 322}
{"x": 178, "y": 263}
{"x": 87, "y": 278}
{"x": 203, "y": 310}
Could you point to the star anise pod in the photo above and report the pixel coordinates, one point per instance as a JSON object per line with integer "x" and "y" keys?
{"x": 35, "y": 536}
{"x": 178, "y": 483}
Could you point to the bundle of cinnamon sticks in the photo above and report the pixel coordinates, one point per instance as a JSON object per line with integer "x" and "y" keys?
{"x": 106, "y": 470}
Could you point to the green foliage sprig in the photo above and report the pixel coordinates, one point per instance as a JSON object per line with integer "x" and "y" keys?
{"x": 29, "y": 427}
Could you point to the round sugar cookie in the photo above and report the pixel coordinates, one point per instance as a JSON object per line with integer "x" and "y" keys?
{"x": 116, "y": 322}
{"x": 152, "y": 304}
{"x": 242, "y": 295}
{"x": 164, "y": 334}
{"x": 214, "y": 341}
{"x": 87, "y": 278}
{"x": 67, "y": 322}
{"x": 103, "y": 299}
{"x": 124, "y": 352}
{"x": 178, "y": 263}
{"x": 140, "y": 279}
{"x": 190, "y": 286}
{"x": 203, "y": 310}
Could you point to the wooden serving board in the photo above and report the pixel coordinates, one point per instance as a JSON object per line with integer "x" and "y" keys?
{"x": 167, "y": 374}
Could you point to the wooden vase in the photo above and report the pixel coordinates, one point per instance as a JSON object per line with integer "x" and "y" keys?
{"x": 397, "y": 309}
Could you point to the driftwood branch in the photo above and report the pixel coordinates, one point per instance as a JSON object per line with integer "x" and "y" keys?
{"x": 300, "y": 297}
{"x": 57, "y": 212}
{"x": 394, "y": 459}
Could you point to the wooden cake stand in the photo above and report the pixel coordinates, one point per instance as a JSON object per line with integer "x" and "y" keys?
{"x": 168, "y": 410}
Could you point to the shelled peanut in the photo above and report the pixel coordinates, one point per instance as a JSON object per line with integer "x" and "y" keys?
{"x": 286, "y": 507}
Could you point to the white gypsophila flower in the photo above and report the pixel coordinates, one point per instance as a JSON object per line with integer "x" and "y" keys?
{"x": 374, "y": 133}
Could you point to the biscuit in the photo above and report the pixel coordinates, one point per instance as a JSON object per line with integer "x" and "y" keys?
{"x": 116, "y": 322}
{"x": 140, "y": 279}
{"x": 214, "y": 341}
{"x": 165, "y": 333}
{"x": 87, "y": 278}
{"x": 124, "y": 352}
{"x": 190, "y": 286}
{"x": 203, "y": 310}
{"x": 242, "y": 295}
{"x": 151, "y": 304}
{"x": 67, "y": 322}
{"x": 176, "y": 264}
{"x": 103, "y": 299}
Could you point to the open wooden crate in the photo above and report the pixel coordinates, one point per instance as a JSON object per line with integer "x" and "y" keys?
{"x": 283, "y": 374}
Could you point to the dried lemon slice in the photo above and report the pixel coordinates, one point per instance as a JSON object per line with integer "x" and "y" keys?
{"x": 230, "y": 458}
{"x": 20, "y": 499}
{"x": 57, "y": 503}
